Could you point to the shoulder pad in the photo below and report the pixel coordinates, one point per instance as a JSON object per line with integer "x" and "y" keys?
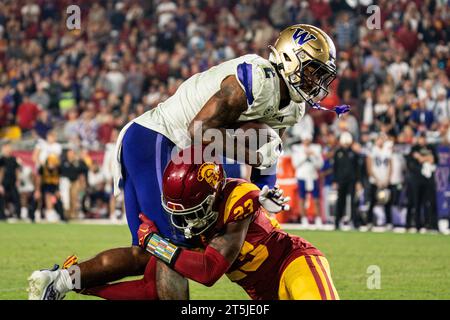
{"x": 256, "y": 77}
{"x": 241, "y": 202}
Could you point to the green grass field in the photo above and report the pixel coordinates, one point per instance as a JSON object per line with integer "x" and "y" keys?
{"x": 413, "y": 266}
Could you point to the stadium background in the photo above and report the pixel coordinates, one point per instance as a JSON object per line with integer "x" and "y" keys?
{"x": 84, "y": 85}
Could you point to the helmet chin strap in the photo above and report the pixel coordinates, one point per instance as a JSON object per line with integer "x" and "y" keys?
{"x": 340, "y": 110}
{"x": 293, "y": 94}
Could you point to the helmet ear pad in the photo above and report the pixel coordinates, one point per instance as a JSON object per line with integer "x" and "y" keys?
{"x": 280, "y": 62}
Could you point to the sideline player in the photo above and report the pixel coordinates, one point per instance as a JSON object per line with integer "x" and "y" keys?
{"x": 300, "y": 68}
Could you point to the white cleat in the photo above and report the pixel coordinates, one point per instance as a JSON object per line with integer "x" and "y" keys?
{"x": 42, "y": 285}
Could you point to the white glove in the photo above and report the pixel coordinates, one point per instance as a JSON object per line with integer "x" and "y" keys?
{"x": 272, "y": 199}
{"x": 428, "y": 169}
{"x": 270, "y": 152}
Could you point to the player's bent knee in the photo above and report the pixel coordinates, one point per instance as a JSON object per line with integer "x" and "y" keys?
{"x": 141, "y": 257}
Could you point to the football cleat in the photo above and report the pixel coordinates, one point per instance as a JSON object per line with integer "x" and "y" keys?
{"x": 42, "y": 285}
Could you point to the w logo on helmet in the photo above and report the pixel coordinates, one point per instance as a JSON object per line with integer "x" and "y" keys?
{"x": 301, "y": 36}
{"x": 210, "y": 173}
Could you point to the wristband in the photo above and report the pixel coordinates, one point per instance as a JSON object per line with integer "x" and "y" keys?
{"x": 162, "y": 248}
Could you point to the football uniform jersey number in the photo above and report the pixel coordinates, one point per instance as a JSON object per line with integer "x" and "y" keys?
{"x": 259, "y": 254}
{"x": 243, "y": 211}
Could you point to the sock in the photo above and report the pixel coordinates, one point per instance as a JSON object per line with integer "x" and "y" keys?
{"x": 143, "y": 289}
{"x": 125, "y": 290}
{"x": 64, "y": 282}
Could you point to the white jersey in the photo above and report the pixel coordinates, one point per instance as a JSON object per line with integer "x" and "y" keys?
{"x": 307, "y": 167}
{"x": 381, "y": 158}
{"x": 257, "y": 78}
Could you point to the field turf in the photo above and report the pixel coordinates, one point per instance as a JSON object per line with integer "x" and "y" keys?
{"x": 413, "y": 266}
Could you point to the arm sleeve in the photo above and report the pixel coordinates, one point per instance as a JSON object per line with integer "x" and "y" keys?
{"x": 204, "y": 267}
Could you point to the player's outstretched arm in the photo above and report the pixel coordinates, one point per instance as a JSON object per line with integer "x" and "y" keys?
{"x": 204, "y": 267}
{"x": 222, "y": 111}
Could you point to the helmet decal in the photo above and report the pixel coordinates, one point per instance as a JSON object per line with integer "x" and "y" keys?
{"x": 301, "y": 36}
{"x": 210, "y": 173}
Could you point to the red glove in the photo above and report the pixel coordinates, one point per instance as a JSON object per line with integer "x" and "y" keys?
{"x": 147, "y": 227}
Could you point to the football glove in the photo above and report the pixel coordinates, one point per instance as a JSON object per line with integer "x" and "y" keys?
{"x": 272, "y": 199}
{"x": 146, "y": 228}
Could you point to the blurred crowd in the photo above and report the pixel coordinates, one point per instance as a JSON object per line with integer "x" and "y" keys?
{"x": 64, "y": 94}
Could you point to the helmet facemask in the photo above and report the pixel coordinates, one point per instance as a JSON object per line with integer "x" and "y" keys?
{"x": 315, "y": 78}
{"x": 192, "y": 221}
{"x": 310, "y": 80}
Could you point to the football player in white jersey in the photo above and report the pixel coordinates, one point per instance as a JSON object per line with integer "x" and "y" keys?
{"x": 379, "y": 169}
{"x": 273, "y": 91}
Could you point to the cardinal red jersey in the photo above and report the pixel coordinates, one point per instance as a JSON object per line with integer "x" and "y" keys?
{"x": 267, "y": 250}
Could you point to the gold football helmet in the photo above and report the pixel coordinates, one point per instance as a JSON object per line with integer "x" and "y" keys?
{"x": 305, "y": 57}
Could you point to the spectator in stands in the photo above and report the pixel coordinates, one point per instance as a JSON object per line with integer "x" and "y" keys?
{"x": 421, "y": 118}
{"x": 88, "y": 129}
{"x": 379, "y": 169}
{"x": 9, "y": 172}
{"x": 27, "y": 114}
{"x": 346, "y": 123}
{"x": 345, "y": 31}
{"x": 67, "y": 96}
{"x": 307, "y": 161}
{"x": 71, "y": 127}
{"x": 41, "y": 97}
{"x": 278, "y": 14}
{"x": 441, "y": 107}
{"x": 421, "y": 164}
{"x": 398, "y": 70}
{"x": 44, "y": 124}
{"x": 30, "y": 13}
{"x": 115, "y": 79}
{"x": 346, "y": 177}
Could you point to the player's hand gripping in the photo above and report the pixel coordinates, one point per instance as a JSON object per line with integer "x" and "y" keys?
{"x": 273, "y": 200}
{"x": 146, "y": 228}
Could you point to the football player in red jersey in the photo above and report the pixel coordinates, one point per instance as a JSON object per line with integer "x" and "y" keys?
{"x": 237, "y": 235}
{"x": 229, "y": 219}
